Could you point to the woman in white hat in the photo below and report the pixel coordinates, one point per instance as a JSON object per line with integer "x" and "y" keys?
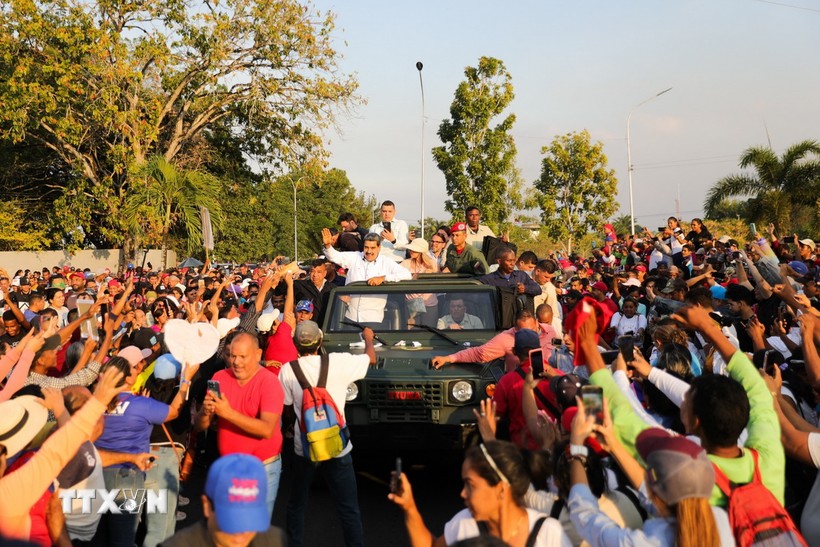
{"x": 423, "y": 308}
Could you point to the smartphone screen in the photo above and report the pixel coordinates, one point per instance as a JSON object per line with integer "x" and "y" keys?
{"x": 593, "y": 399}
{"x": 753, "y": 228}
{"x": 213, "y": 387}
{"x": 387, "y": 226}
{"x": 788, "y": 239}
{"x": 395, "y": 479}
{"x": 626, "y": 345}
{"x": 537, "y": 362}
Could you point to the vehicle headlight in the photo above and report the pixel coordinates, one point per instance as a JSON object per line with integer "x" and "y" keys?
{"x": 462, "y": 391}
{"x": 352, "y": 392}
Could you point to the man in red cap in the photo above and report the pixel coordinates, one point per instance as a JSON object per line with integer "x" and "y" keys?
{"x": 463, "y": 258}
{"x": 598, "y": 291}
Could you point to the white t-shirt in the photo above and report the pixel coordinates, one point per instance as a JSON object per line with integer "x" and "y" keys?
{"x": 623, "y": 324}
{"x": 464, "y": 526}
{"x": 809, "y": 522}
{"x": 343, "y": 369}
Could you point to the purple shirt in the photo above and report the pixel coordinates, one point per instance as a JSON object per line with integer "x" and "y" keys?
{"x": 128, "y": 427}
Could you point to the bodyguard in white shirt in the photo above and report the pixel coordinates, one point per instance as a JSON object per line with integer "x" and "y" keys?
{"x": 369, "y": 266}
{"x": 394, "y": 233}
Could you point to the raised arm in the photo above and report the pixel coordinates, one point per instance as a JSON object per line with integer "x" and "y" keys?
{"x": 808, "y": 328}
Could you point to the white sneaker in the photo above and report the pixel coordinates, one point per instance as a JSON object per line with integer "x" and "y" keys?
{"x": 182, "y": 501}
{"x": 181, "y": 516}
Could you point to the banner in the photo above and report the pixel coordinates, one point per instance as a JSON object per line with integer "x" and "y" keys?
{"x": 207, "y": 229}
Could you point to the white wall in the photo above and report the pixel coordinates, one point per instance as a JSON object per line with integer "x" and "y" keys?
{"x": 97, "y": 260}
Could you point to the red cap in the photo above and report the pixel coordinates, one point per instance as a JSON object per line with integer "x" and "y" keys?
{"x": 459, "y": 227}
{"x": 600, "y": 285}
{"x": 591, "y": 442}
{"x": 640, "y": 268}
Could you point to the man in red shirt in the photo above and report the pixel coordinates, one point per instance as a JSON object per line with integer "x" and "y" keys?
{"x": 248, "y": 406}
{"x": 507, "y": 397}
{"x": 598, "y": 291}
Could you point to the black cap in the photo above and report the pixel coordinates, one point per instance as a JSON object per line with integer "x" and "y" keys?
{"x": 145, "y": 338}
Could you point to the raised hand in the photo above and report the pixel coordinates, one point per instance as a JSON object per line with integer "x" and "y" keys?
{"x": 108, "y": 385}
{"x": 486, "y": 419}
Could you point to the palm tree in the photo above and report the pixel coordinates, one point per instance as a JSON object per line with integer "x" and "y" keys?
{"x": 163, "y": 198}
{"x": 623, "y": 224}
{"x": 777, "y": 186}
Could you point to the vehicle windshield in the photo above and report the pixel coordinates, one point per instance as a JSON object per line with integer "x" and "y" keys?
{"x": 400, "y": 309}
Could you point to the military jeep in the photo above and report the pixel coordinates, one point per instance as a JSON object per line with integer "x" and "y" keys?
{"x": 404, "y": 402}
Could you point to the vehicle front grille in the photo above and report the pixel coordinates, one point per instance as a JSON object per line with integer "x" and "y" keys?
{"x": 382, "y": 395}
{"x": 409, "y": 415}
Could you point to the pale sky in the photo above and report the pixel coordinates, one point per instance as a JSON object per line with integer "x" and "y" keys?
{"x": 737, "y": 68}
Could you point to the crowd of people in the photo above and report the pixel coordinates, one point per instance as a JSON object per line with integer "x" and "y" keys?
{"x": 702, "y": 350}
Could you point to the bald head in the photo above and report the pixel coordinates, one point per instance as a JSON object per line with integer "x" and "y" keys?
{"x": 246, "y": 338}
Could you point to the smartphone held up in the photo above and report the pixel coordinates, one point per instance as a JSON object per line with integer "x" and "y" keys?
{"x": 593, "y": 399}
{"x": 395, "y": 479}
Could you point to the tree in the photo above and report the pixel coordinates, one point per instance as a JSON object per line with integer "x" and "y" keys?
{"x": 623, "y": 224}
{"x": 169, "y": 198}
{"x": 478, "y": 160}
{"x": 17, "y": 232}
{"x": 779, "y": 187}
{"x": 263, "y": 213}
{"x": 104, "y": 85}
{"x": 576, "y": 192}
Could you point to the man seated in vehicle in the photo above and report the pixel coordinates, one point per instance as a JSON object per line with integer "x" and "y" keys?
{"x": 458, "y": 317}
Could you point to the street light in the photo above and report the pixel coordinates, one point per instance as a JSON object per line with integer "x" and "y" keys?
{"x": 629, "y": 156}
{"x": 295, "y": 239}
{"x": 419, "y": 66}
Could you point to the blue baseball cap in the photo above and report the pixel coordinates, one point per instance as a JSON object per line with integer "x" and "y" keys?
{"x": 799, "y": 268}
{"x": 238, "y": 488}
{"x": 305, "y": 305}
{"x": 718, "y": 292}
{"x": 526, "y": 339}
{"x": 166, "y": 367}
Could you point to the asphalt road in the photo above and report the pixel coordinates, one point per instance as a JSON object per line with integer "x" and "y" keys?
{"x": 436, "y": 482}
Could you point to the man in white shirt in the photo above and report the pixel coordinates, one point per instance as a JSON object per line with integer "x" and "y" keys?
{"x": 342, "y": 369}
{"x": 394, "y": 232}
{"x": 370, "y": 266}
{"x": 543, "y": 274}
{"x": 475, "y": 231}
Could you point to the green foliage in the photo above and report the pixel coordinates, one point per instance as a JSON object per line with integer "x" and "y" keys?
{"x": 19, "y": 232}
{"x": 782, "y": 190}
{"x": 478, "y": 161}
{"x": 623, "y": 224}
{"x": 163, "y": 197}
{"x": 261, "y": 214}
{"x": 102, "y": 86}
{"x": 576, "y": 192}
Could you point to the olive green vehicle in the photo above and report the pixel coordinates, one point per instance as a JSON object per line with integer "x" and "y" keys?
{"x": 404, "y": 402}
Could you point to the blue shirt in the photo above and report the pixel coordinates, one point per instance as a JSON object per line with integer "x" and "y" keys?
{"x": 128, "y": 427}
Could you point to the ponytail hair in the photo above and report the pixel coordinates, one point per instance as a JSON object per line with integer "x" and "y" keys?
{"x": 695, "y": 526}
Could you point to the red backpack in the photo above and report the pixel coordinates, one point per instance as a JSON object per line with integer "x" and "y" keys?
{"x": 756, "y": 517}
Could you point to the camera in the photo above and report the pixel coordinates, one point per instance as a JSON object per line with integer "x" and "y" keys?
{"x": 721, "y": 320}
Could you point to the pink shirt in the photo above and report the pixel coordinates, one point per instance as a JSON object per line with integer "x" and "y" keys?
{"x": 501, "y": 345}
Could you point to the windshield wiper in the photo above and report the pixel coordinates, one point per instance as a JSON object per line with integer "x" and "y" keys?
{"x": 359, "y": 326}
{"x": 437, "y": 331}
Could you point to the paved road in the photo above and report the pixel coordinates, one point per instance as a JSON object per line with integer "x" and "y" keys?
{"x": 436, "y": 486}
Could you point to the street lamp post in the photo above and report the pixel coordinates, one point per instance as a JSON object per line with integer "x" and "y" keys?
{"x": 629, "y": 157}
{"x": 295, "y": 237}
{"x": 419, "y": 66}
